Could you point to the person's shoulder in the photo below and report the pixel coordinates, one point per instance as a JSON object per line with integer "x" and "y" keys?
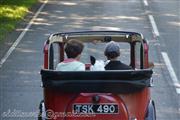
{"x": 78, "y": 62}
{"x": 58, "y": 66}
{"x": 126, "y": 66}
{"x": 79, "y": 66}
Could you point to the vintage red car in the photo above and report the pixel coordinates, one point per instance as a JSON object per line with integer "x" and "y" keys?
{"x": 97, "y": 95}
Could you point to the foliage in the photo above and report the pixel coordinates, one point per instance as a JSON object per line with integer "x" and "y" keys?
{"x": 11, "y": 12}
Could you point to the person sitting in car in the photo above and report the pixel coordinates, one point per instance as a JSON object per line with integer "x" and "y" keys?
{"x": 73, "y": 50}
{"x": 112, "y": 52}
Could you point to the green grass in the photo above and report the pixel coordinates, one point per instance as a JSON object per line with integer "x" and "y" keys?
{"x": 11, "y": 12}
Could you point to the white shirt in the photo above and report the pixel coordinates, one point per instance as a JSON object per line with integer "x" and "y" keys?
{"x": 70, "y": 65}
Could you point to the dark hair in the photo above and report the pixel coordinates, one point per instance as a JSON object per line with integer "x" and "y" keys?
{"x": 111, "y": 55}
{"x": 73, "y": 48}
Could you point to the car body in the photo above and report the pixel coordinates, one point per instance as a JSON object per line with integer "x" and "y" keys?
{"x": 97, "y": 95}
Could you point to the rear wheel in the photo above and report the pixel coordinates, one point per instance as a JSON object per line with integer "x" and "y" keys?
{"x": 151, "y": 113}
{"x": 41, "y": 115}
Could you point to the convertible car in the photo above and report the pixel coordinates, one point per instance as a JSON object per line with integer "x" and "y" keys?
{"x": 97, "y": 95}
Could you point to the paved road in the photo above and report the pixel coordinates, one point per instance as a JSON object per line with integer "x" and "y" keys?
{"x": 167, "y": 17}
{"x": 20, "y": 89}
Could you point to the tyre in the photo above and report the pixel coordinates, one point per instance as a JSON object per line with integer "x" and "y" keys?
{"x": 151, "y": 112}
{"x": 42, "y": 113}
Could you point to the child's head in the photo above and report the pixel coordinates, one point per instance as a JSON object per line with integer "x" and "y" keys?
{"x": 74, "y": 48}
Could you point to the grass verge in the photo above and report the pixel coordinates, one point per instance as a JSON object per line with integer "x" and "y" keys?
{"x": 11, "y": 12}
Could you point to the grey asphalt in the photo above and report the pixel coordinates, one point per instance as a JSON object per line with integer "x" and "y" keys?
{"x": 167, "y": 17}
{"x": 20, "y": 89}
